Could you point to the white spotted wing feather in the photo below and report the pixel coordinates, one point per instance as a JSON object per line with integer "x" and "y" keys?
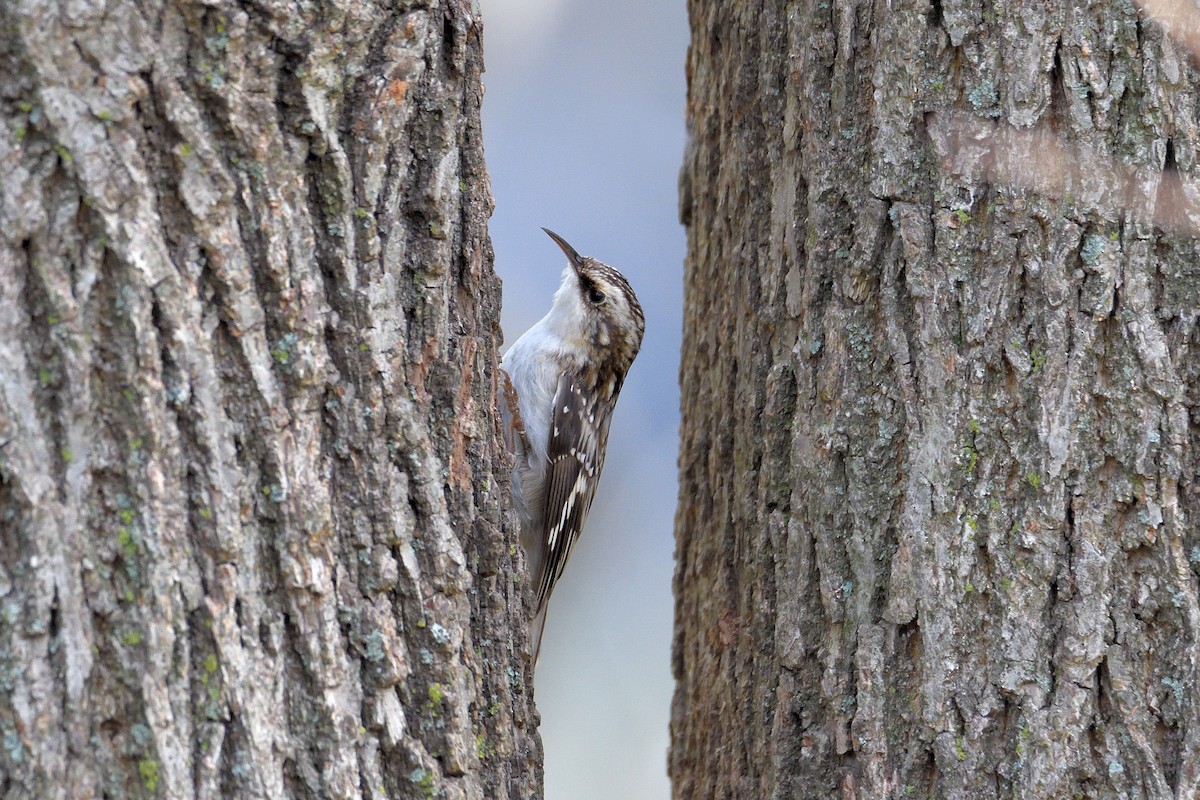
{"x": 574, "y": 457}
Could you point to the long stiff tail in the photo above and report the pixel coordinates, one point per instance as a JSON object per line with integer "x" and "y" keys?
{"x": 536, "y": 626}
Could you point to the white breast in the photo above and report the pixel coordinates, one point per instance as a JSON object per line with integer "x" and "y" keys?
{"x": 534, "y": 364}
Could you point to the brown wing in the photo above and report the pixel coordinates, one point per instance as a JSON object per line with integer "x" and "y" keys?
{"x": 574, "y": 458}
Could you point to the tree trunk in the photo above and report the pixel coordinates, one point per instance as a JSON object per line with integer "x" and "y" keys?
{"x": 253, "y": 499}
{"x": 937, "y": 533}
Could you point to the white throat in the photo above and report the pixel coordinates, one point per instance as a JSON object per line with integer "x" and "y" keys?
{"x": 566, "y": 319}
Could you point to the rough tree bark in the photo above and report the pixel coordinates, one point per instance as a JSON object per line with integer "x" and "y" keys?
{"x": 254, "y": 536}
{"x": 938, "y": 522}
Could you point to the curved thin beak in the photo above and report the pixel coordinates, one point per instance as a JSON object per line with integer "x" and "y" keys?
{"x": 575, "y": 259}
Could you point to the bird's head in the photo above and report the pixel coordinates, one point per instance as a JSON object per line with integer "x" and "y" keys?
{"x": 598, "y": 305}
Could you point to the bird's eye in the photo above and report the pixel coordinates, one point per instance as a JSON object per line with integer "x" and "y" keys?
{"x": 595, "y": 295}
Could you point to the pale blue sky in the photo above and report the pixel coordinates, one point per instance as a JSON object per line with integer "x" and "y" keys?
{"x": 583, "y": 130}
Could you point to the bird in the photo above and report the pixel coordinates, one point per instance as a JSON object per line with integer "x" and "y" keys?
{"x": 561, "y": 380}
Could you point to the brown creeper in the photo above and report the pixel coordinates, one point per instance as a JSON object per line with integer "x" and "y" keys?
{"x": 562, "y": 378}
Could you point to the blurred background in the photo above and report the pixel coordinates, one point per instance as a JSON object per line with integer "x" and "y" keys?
{"x": 583, "y": 131}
